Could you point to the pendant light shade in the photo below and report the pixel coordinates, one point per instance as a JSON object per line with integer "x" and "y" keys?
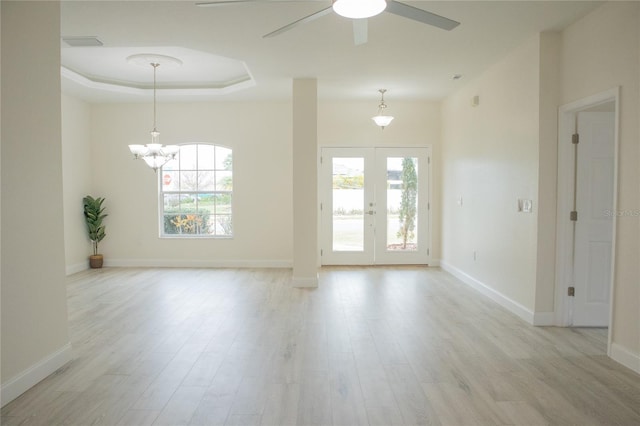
{"x": 358, "y": 9}
{"x": 382, "y": 120}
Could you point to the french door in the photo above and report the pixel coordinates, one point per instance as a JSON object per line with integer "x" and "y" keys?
{"x": 375, "y": 206}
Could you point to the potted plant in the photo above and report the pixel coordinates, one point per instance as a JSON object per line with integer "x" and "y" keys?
{"x": 94, "y": 214}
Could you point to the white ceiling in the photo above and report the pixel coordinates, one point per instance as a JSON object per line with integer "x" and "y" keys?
{"x": 410, "y": 59}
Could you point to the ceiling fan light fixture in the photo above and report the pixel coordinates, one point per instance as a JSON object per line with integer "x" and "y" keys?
{"x": 358, "y": 9}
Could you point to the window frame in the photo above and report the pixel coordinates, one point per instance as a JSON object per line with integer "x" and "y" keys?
{"x": 213, "y": 192}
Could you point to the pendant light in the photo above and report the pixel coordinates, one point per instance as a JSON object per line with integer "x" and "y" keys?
{"x": 380, "y": 119}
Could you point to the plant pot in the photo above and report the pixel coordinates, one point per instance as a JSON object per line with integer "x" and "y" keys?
{"x": 95, "y": 261}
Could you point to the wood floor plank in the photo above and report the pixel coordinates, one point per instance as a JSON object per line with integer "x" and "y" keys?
{"x": 216, "y": 403}
{"x": 204, "y": 370}
{"x": 521, "y": 413}
{"x": 138, "y": 418}
{"x": 165, "y": 384}
{"x": 282, "y": 404}
{"x": 369, "y": 346}
{"x": 347, "y": 400}
{"x": 449, "y": 403}
{"x": 379, "y": 399}
{"x": 180, "y": 408}
{"x": 415, "y": 407}
{"x": 13, "y": 420}
{"x": 314, "y": 406}
{"x": 250, "y": 398}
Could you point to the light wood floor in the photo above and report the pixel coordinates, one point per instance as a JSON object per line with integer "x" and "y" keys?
{"x": 377, "y": 346}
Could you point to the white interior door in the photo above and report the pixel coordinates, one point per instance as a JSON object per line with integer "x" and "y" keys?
{"x": 594, "y": 227}
{"x": 375, "y": 206}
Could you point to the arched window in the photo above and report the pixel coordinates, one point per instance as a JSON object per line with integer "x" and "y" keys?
{"x": 196, "y": 192}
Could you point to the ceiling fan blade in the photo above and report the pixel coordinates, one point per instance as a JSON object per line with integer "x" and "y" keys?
{"x": 360, "y": 31}
{"x": 304, "y": 20}
{"x": 420, "y": 15}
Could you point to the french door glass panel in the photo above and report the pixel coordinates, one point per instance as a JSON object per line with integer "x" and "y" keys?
{"x": 347, "y": 226}
{"x": 348, "y": 203}
{"x": 402, "y": 203}
{"x": 374, "y": 206}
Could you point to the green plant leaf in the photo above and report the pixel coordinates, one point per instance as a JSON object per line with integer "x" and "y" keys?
{"x": 94, "y": 213}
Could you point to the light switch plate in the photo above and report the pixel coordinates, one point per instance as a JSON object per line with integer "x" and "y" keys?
{"x": 525, "y": 206}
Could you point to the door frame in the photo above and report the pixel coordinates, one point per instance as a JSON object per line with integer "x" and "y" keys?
{"x": 564, "y": 227}
{"x": 429, "y": 260}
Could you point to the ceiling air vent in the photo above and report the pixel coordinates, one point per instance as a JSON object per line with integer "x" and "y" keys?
{"x": 82, "y": 41}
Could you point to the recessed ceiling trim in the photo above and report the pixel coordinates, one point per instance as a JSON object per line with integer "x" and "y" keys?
{"x": 125, "y": 70}
{"x": 228, "y": 87}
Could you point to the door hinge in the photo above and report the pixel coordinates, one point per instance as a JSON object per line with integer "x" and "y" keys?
{"x": 575, "y": 138}
{"x": 573, "y": 216}
{"x": 321, "y": 159}
{"x": 321, "y": 252}
{"x": 428, "y": 160}
{"x": 427, "y": 252}
{"x": 428, "y": 206}
{"x": 320, "y": 206}
{"x": 571, "y": 291}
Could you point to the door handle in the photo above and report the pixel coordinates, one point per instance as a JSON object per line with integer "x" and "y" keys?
{"x": 370, "y": 212}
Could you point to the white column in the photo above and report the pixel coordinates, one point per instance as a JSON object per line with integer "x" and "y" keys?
{"x": 35, "y": 339}
{"x": 305, "y": 183}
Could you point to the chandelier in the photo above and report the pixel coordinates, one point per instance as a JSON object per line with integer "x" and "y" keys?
{"x": 381, "y": 119}
{"x": 357, "y": 9}
{"x": 154, "y": 154}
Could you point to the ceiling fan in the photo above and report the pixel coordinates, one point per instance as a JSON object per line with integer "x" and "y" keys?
{"x": 350, "y": 9}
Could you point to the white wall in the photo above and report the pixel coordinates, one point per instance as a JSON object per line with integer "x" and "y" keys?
{"x": 76, "y": 180}
{"x": 490, "y": 160}
{"x": 600, "y": 52}
{"x": 348, "y": 123}
{"x": 34, "y": 307}
{"x": 505, "y": 150}
{"x": 416, "y": 123}
{"x": 260, "y": 136}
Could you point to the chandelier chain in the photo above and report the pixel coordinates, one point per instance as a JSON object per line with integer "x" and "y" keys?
{"x": 382, "y": 105}
{"x": 155, "y": 66}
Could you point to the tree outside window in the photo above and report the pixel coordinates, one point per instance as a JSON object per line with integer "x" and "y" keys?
{"x": 408, "y": 204}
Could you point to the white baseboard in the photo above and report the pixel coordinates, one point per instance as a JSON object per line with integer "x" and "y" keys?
{"x": 625, "y": 357}
{"x": 304, "y": 282}
{"x": 78, "y": 267}
{"x": 16, "y": 386}
{"x": 512, "y": 306}
{"x": 196, "y": 263}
